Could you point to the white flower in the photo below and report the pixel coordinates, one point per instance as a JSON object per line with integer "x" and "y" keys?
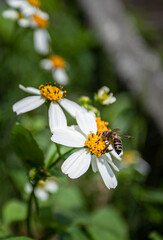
{"x": 27, "y": 7}
{"x": 39, "y": 22}
{"x": 93, "y": 149}
{"x": 134, "y": 159}
{"x": 104, "y": 97}
{"x": 16, "y": 16}
{"x": 50, "y": 93}
{"x": 57, "y": 65}
{"x": 43, "y": 188}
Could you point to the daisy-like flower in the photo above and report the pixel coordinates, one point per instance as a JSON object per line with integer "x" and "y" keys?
{"x": 134, "y": 159}
{"x": 57, "y": 65}
{"x": 16, "y": 16}
{"x": 55, "y": 96}
{"x": 43, "y": 188}
{"x": 87, "y": 137}
{"x": 39, "y": 22}
{"x": 27, "y": 7}
{"x": 104, "y": 97}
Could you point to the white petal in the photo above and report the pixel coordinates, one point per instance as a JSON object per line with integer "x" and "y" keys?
{"x": 28, "y": 104}
{"x": 109, "y": 100}
{"x": 86, "y": 121}
{"x": 51, "y": 186}
{"x": 60, "y": 76}
{"x": 108, "y": 158}
{"x": 24, "y": 22}
{"x": 68, "y": 137}
{"x": 57, "y": 117}
{"x": 41, "y": 14}
{"x": 70, "y": 106}
{"x": 15, "y": 3}
{"x": 77, "y": 163}
{"x": 46, "y": 64}
{"x": 94, "y": 163}
{"x": 30, "y": 89}
{"x": 41, "y": 194}
{"x": 28, "y": 188}
{"x": 114, "y": 154}
{"x": 11, "y": 14}
{"x": 41, "y": 41}
{"x": 106, "y": 173}
{"x": 28, "y": 10}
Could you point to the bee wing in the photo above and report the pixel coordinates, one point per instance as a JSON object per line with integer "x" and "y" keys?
{"x": 124, "y": 136}
{"x": 116, "y": 130}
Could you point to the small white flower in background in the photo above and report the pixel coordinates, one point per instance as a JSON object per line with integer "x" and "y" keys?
{"x": 38, "y": 21}
{"x": 16, "y": 16}
{"x": 87, "y": 136}
{"x": 133, "y": 159}
{"x": 27, "y": 7}
{"x": 57, "y": 65}
{"x": 55, "y": 96}
{"x": 104, "y": 97}
{"x": 43, "y": 188}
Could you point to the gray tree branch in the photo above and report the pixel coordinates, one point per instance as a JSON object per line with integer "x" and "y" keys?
{"x": 138, "y": 65}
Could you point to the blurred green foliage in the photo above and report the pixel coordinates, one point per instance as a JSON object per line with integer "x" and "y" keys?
{"x": 81, "y": 209}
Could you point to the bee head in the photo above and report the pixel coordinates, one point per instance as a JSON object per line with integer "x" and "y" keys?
{"x": 104, "y": 134}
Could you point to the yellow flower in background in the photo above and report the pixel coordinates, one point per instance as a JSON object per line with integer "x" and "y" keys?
{"x": 134, "y": 159}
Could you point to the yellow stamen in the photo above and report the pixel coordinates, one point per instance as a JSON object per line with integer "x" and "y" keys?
{"x": 101, "y": 125}
{"x": 57, "y": 61}
{"x": 52, "y": 93}
{"x": 35, "y": 3}
{"x": 96, "y": 144}
{"x": 41, "y": 22}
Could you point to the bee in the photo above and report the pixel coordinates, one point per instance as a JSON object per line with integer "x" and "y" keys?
{"x": 114, "y": 139}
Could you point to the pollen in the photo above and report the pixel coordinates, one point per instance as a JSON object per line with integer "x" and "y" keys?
{"x": 101, "y": 125}
{"x": 51, "y": 92}
{"x": 57, "y": 61}
{"x": 41, "y": 22}
{"x": 96, "y": 144}
{"x": 35, "y": 3}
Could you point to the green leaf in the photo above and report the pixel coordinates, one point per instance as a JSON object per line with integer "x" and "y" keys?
{"x": 14, "y": 211}
{"x": 18, "y": 238}
{"x": 107, "y": 224}
{"x": 73, "y": 199}
{"x": 155, "y": 236}
{"x": 26, "y": 147}
{"x": 77, "y": 234}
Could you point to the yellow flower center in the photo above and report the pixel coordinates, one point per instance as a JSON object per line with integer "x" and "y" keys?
{"x": 57, "y": 61}
{"x": 41, "y": 22}
{"x": 128, "y": 157}
{"x": 101, "y": 125}
{"x": 41, "y": 184}
{"x": 96, "y": 144}
{"x": 35, "y": 3}
{"x": 52, "y": 93}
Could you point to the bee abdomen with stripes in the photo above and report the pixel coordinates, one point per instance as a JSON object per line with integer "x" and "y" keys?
{"x": 117, "y": 144}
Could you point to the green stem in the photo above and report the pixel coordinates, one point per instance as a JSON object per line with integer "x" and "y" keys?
{"x": 59, "y": 152}
{"x": 29, "y": 212}
{"x": 58, "y": 159}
